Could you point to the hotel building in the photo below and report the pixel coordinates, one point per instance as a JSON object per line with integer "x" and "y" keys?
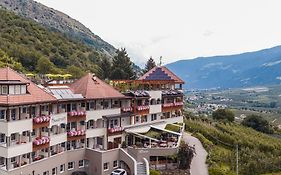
{"x": 88, "y": 125}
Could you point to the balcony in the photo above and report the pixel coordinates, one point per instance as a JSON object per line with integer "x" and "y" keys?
{"x": 41, "y": 121}
{"x": 76, "y": 135}
{"x": 167, "y": 107}
{"x": 41, "y": 143}
{"x": 15, "y": 150}
{"x": 115, "y": 131}
{"x": 142, "y": 110}
{"x": 95, "y": 132}
{"x": 76, "y": 116}
{"x": 126, "y": 109}
{"x": 17, "y": 126}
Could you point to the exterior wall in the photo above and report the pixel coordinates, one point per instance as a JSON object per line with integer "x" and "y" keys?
{"x": 48, "y": 164}
{"x": 97, "y": 132}
{"x": 98, "y": 158}
{"x": 153, "y": 109}
{"x": 155, "y": 94}
{"x": 19, "y": 126}
{"x": 15, "y": 150}
{"x": 58, "y": 138}
{"x": 140, "y": 153}
{"x": 97, "y": 114}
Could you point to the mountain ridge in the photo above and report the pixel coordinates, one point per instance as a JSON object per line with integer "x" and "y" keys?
{"x": 59, "y": 21}
{"x": 231, "y": 71}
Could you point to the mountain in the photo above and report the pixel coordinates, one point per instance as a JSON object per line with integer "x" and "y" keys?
{"x": 242, "y": 70}
{"x": 57, "y": 21}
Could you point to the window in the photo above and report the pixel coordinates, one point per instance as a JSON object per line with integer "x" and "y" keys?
{"x": 62, "y": 168}
{"x": 153, "y": 117}
{"x": 81, "y": 163}
{"x": 106, "y": 166}
{"x": 70, "y": 165}
{"x": 23, "y": 89}
{"x": 5, "y": 89}
{"x": 2, "y": 138}
{"x": 24, "y": 110}
{"x": 115, "y": 163}
{"x": 12, "y": 89}
{"x": 2, "y": 114}
{"x": 17, "y": 89}
{"x": 137, "y": 119}
{"x": 2, "y": 161}
{"x": 54, "y": 171}
{"x": 46, "y": 173}
{"x": 13, "y": 137}
{"x": 13, "y": 114}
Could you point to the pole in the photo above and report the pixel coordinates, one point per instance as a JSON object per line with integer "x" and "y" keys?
{"x": 237, "y": 159}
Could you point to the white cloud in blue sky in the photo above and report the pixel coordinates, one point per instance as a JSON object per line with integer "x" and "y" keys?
{"x": 177, "y": 29}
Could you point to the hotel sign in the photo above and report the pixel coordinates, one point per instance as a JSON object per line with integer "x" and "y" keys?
{"x": 58, "y": 119}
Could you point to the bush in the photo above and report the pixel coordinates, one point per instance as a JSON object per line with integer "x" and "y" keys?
{"x": 258, "y": 123}
{"x": 223, "y": 114}
{"x": 154, "y": 172}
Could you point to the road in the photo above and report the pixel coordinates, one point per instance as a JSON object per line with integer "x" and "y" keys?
{"x": 198, "y": 165}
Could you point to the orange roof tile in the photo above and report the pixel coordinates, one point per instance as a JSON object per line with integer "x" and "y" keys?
{"x": 163, "y": 74}
{"x": 34, "y": 93}
{"x": 94, "y": 89}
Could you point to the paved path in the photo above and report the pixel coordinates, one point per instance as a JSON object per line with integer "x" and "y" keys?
{"x": 198, "y": 165}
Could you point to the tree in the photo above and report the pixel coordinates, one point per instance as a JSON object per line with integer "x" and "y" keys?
{"x": 258, "y": 123}
{"x": 122, "y": 66}
{"x": 223, "y": 114}
{"x": 185, "y": 155}
{"x": 105, "y": 66}
{"x": 75, "y": 71}
{"x": 149, "y": 65}
{"x": 44, "y": 65}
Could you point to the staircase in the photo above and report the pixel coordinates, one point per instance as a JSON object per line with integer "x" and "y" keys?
{"x": 141, "y": 169}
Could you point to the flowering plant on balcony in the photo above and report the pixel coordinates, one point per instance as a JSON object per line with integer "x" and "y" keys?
{"x": 142, "y": 108}
{"x": 178, "y": 103}
{"x": 77, "y": 113}
{"x": 168, "y": 104}
{"x": 127, "y": 109}
{"x": 76, "y": 133}
{"x": 115, "y": 129}
{"x": 41, "y": 141}
{"x": 42, "y": 119}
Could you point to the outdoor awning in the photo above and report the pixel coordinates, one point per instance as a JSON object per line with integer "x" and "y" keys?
{"x": 165, "y": 130}
{"x": 144, "y": 129}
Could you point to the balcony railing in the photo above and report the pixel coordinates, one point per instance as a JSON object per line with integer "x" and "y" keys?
{"x": 127, "y": 109}
{"x": 74, "y": 116}
{"x": 76, "y": 135}
{"x": 41, "y": 121}
{"x": 115, "y": 130}
{"x": 41, "y": 143}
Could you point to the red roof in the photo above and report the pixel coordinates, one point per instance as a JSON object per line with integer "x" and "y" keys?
{"x": 94, "y": 89}
{"x": 161, "y": 73}
{"x": 34, "y": 93}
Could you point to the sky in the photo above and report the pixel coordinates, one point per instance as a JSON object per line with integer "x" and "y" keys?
{"x": 179, "y": 29}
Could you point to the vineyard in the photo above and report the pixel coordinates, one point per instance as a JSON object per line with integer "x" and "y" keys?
{"x": 258, "y": 152}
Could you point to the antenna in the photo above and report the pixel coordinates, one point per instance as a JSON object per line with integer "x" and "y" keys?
{"x": 160, "y": 64}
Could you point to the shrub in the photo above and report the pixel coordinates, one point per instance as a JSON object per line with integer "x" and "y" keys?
{"x": 223, "y": 114}
{"x": 154, "y": 172}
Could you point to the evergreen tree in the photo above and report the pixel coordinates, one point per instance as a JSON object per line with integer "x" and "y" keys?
{"x": 106, "y": 67}
{"x": 122, "y": 67}
{"x": 149, "y": 65}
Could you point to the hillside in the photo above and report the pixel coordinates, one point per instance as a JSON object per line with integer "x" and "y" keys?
{"x": 27, "y": 41}
{"x": 57, "y": 21}
{"x": 242, "y": 70}
{"x": 258, "y": 152}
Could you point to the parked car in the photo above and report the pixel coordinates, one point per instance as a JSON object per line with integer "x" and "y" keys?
{"x": 119, "y": 171}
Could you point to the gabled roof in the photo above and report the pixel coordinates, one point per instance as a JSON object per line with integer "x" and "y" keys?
{"x": 94, "y": 88}
{"x": 34, "y": 93}
{"x": 161, "y": 73}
